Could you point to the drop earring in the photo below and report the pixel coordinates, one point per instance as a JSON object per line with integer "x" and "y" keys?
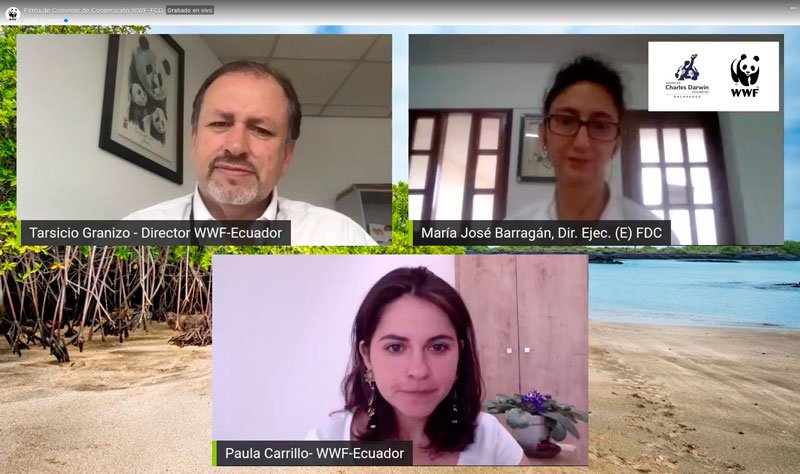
{"x": 369, "y": 378}
{"x": 455, "y": 408}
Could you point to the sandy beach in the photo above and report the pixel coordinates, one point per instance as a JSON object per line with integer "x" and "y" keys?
{"x": 140, "y": 406}
{"x": 677, "y": 399}
{"x": 661, "y": 399}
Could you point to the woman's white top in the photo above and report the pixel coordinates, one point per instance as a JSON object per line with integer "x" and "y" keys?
{"x": 618, "y": 208}
{"x": 493, "y": 446}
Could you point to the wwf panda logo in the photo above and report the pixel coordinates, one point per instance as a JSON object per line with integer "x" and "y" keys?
{"x": 12, "y": 14}
{"x": 744, "y": 70}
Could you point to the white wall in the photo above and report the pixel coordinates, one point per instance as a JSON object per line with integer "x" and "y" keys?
{"x": 753, "y": 147}
{"x": 281, "y": 335}
{"x": 333, "y": 153}
{"x": 62, "y": 172}
{"x": 520, "y": 87}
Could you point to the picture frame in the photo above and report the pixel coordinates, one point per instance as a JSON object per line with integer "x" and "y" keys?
{"x": 142, "y": 117}
{"x": 533, "y": 165}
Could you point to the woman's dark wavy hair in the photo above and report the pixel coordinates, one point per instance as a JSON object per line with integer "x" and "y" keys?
{"x": 589, "y": 69}
{"x": 444, "y": 435}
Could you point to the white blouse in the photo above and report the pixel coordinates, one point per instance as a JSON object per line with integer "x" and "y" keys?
{"x": 493, "y": 445}
{"x": 618, "y": 208}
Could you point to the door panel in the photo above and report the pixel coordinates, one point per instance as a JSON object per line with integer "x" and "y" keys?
{"x": 488, "y": 285}
{"x": 552, "y": 295}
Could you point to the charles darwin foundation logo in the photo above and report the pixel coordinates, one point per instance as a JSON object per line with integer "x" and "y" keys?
{"x": 744, "y": 71}
{"x": 686, "y": 85}
{"x": 688, "y": 70}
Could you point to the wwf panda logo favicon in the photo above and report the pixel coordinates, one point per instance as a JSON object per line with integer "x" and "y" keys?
{"x": 744, "y": 70}
{"x": 12, "y": 14}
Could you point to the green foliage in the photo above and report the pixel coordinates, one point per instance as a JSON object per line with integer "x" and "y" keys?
{"x": 518, "y": 418}
{"x": 27, "y": 271}
{"x": 789, "y": 247}
{"x": 10, "y": 250}
{"x": 12, "y": 31}
{"x": 399, "y": 212}
{"x": 792, "y": 247}
{"x": 400, "y": 243}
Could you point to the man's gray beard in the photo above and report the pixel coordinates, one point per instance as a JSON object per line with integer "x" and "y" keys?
{"x": 233, "y": 196}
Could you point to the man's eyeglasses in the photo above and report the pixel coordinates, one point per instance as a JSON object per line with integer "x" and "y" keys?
{"x": 568, "y": 126}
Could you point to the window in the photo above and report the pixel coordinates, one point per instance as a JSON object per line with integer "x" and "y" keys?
{"x": 673, "y": 164}
{"x": 458, "y": 164}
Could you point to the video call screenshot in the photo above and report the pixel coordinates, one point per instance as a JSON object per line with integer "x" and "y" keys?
{"x": 376, "y": 237}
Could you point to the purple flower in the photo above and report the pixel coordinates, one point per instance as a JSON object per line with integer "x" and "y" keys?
{"x": 536, "y": 399}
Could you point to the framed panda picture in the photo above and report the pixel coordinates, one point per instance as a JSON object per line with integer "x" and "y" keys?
{"x": 142, "y": 118}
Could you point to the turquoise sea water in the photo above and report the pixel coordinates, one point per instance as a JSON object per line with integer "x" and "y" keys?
{"x": 744, "y": 294}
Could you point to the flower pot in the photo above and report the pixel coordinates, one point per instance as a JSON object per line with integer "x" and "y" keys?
{"x": 544, "y": 450}
{"x": 529, "y": 437}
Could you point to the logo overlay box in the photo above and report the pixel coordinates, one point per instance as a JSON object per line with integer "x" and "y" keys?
{"x": 713, "y": 76}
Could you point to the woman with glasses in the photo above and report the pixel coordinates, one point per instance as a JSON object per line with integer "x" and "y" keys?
{"x": 580, "y": 134}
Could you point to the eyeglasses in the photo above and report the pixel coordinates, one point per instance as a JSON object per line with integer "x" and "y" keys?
{"x": 568, "y": 126}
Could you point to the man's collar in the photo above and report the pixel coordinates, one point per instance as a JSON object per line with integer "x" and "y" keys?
{"x": 201, "y": 212}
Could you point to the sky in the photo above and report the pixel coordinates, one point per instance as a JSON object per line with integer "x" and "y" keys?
{"x": 400, "y": 92}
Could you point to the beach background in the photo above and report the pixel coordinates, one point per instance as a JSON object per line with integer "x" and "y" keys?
{"x": 677, "y": 384}
{"x": 699, "y": 386}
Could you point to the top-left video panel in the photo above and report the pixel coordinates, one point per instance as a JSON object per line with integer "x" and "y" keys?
{"x": 204, "y": 139}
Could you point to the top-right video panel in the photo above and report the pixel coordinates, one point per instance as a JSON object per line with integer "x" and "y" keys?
{"x": 682, "y": 128}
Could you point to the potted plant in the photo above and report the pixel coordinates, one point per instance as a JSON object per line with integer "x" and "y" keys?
{"x": 536, "y": 418}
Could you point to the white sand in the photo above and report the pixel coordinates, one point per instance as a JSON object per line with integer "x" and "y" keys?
{"x": 675, "y": 399}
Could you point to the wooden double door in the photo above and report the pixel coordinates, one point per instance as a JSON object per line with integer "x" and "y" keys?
{"x": 530, "y": 314}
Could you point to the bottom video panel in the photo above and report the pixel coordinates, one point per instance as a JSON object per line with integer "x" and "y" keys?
{"x": 398, "y": 360}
